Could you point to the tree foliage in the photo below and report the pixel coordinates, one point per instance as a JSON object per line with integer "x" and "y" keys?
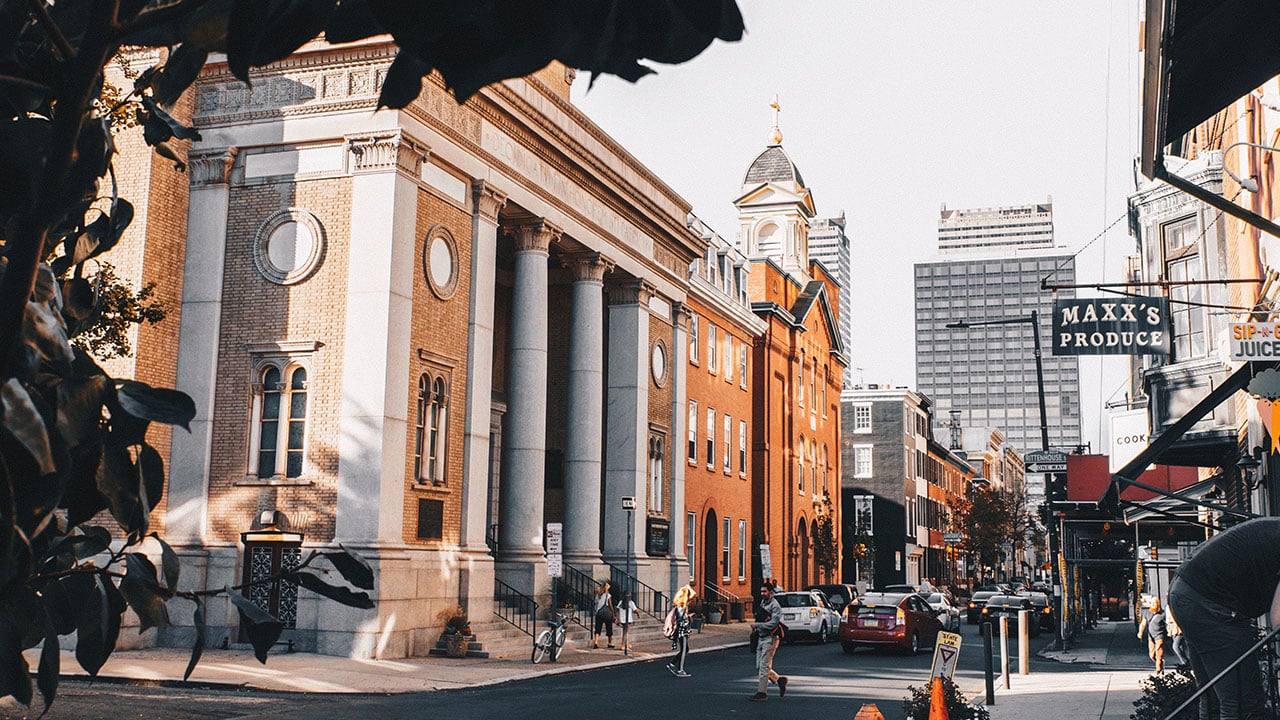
{"x": 73, "y": 439}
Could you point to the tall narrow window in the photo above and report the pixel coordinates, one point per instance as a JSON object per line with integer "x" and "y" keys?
{"x": 742, "y": 448}
{"x": 862, "y": 418}
{"x": 800, "y": 382}
{"x": 693, "y": 339}
{"x": 690, "y": 534}
{"x": 438, "y": 418}
{"x": 742, "y": 550}
{"x": 813, "y": 467}
{"x": 420, "y": 425}
{"x": 693, "y": 431}
{"x": 728, "y": 357}
{"x": 862, "y": 461}
{"x": 826, "y": 467}
{"x": 655, "y": 473}
{"x": 724, "y": 548}
{"x": 728, "y": 443}
{"x": 824, "y": 391}
{"x": 431, "y": 428}
{"x": 800, "y": 468}
{"x": 282, "y": 433}
{"x": 813, "y": 387}
{"x": 1182, "y": 265}
{"x": 742, "y": 365}
{"x": 711, "y": 438}
{"x": 269, "y": 428}
{"x": 711, "y": 347}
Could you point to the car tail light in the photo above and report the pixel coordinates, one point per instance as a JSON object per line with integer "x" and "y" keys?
{"x": 1048, "y": 610}
{"x": 901, "y": 617}
{"x": 813, "y": 612}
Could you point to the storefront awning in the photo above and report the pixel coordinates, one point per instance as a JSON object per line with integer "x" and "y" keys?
{"x": 1199, "y": 57}
{"x": 1127, "y": 475}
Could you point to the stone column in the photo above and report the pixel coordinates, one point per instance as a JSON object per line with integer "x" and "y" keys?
{"x": 584, "y": 441}
{"x": 524, "y": 443}
{"x": 201, "y": 319}
{"x": 627, "y": 426}
{"x": 476, "y": 574}
{"x": 373, "y": 419}
{"x": 680, "y": 570}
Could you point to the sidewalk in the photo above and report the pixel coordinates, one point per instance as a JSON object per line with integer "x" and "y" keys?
{"x": 312, "y": 673}
{"x": 1099, "y": 677}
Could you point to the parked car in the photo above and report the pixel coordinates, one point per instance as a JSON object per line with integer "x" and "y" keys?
{"x": 903, "y": 620}
{"x": 976, "y": 602}
{"x": 808, "y": 613}
{"x": 901, "y": 588}
{"x": 839, "y": 594}
{"x": 1009, "y": 606}
{"x": 948, "y": 613}
{"x": 1043, "y": 608}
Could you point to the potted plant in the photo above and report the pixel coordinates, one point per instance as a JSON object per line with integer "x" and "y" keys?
{"x": 457, "y": 631}
{"x": 715, "y": 613}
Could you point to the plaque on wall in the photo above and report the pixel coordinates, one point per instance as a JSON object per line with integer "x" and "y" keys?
{"x": 657, "y": 537}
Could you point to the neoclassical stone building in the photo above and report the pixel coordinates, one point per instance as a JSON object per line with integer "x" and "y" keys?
{"x": 424, "y": 334}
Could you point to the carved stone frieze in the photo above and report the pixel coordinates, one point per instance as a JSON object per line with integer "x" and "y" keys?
{"x": 387, "y": 152}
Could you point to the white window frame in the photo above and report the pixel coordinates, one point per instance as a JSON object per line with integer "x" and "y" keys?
{"x": 657, "y": 454}
{"x": 742, "y": 550}
{"x": 742, "y": 366}
{"x": 711, "y": 438}
{"x": 728, "y": 357}
{"x": 431, "y": 430}
{"x": 728, "y": 444}
{"x": 711, "y": 348}
{"x": 725, "y": 547}
{"x": 693, "y": 432}
{"x": 800, "y": 382}
{"x": 813, "y": 388}
{"x": 862, "y": 461}
{"x": 690, "y": 539}
{"x": 693, "y": 338}
{"x": 800, "y": 468}
{"x": 826, "y": 468}
{"x": 862, "y": 418}
{"x": 742, "y": 448}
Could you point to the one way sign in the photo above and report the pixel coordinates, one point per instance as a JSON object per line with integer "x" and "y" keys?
{"x": 945, "y": 653}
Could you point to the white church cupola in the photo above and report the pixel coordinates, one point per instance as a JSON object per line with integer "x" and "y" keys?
{"x": 774, "y": 207}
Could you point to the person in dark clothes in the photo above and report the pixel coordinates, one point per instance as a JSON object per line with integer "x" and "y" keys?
{"x": 1154, "y": 630}
{"x": 1231, "y": 579}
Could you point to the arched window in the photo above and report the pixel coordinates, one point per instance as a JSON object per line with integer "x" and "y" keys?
{"x": 826, "y": 467}
{"x": 420, "y": 425}
{"x": 655, "y": 473}
{"x": 438, "y": 413}
{"x": 281, "y": 436}
{"x": 800, "y": 469}
{"x": 813, "y": 466}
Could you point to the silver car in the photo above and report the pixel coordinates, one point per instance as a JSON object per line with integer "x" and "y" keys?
{"x": 808, "y": 614}
{"x": 949, "y": 614}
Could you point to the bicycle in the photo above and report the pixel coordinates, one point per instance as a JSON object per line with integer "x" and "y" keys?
{"x": 551, "y": 640}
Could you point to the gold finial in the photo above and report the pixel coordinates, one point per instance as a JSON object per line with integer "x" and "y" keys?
{"x": 775, "y": 138}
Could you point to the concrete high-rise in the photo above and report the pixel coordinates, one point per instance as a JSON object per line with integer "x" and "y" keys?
{"x": 993, "y": 262}
{"x": 829, "y": 245}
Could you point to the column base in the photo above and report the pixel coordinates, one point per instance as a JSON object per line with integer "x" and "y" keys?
{"x": 527, "y": 574}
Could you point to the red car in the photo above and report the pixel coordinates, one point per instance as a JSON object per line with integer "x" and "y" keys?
{"x": 883, "y": 619}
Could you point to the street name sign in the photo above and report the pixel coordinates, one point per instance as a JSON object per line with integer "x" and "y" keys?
{"x": 945, "y": 652}
{"x": 952, "y": 538}
{"x": 1045, "y": 461}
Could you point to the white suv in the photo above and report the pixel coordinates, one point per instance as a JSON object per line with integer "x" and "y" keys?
{"x": 808, "y": 613}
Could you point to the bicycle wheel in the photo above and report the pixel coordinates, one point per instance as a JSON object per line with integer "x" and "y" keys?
{"x": 541, "y": 645}
{"x": 557, "y": 643}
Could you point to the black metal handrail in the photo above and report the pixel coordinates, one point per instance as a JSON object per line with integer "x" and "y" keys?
{"x": 515, "y": 607}
{"x": 1203, "y": 689}
{"x": 649, "y": 600}
{"x": 575, "y": 593}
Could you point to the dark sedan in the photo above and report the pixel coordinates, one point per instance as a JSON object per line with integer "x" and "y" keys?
{"x": 976, "y": 603}
{"x": 1043, "y": 608}
{"x": 1009, "y": 606}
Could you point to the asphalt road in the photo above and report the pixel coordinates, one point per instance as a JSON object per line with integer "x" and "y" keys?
{"x": 825, "y": 682}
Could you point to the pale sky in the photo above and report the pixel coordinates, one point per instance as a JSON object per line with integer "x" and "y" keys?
{"x": 892, "y": 109}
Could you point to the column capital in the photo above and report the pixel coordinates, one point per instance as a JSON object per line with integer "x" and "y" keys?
{"x": 681, "y": 313}
{"x": 588, "y": 266}
{"x": 211, "y": 167}
{"x": 635, "y": 292}
{"x": 384, "y": 152}
{"x": 488, "y": 200}
{"x": 533, "y": 236}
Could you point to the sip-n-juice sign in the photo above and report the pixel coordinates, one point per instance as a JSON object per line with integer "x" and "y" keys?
{"x": 1255, "y": 341}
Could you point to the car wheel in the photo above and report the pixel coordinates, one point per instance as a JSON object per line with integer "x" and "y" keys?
{"x": 915, "y": 643}
{"x": 822, "y": 634}
{"x": 848, "y": 647}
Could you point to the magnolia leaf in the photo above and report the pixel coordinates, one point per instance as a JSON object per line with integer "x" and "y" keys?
{"x": 143, "y": 593}
{"x": 179, "y": 72}
{"x": 91, "y": 608}
{"x": 50, "y": 665}
{"x": 262, "y": 629}
{"x": 176, "y": 129}
{"x": 80, "y": 401}
{"x": 15, "y": 674}
{"x": 171, "y": 407}
{"x": 151, "y": 468}
{"x": 354, "y": 569}
{"x": 197, "y": 648}
{"x": 119, "y": 483}
{"x": 334, "y": 592}
{"x": 24, "y": 422}
{"x": 168, "y": 563}
{"x": 44, "y": 332}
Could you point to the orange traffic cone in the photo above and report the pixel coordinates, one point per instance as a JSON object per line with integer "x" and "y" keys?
{"x": 938, "y": 702}
{"x": 869, "y": 712}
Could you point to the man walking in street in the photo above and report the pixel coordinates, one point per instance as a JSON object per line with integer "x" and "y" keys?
{"x": 768, "y": 627}
{"x": 1154, "y": 631}
{"x": 1230, "y": 580}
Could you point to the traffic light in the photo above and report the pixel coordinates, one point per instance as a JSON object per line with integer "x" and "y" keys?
{"x": 1057, "y": 487}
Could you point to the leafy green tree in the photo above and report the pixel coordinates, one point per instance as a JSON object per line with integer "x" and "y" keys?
{"x": 826, "y": 547}
{"x": 73, "y": 439}
{"x": 987, "y": 521}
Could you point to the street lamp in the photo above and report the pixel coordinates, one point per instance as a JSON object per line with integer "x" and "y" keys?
{"x": 1247, "y": 183}
{"x": 1033, "y": 319}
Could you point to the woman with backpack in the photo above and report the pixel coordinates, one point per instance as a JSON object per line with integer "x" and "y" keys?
{"x": 604, "y": 615}
{"x": 676, "y": 627}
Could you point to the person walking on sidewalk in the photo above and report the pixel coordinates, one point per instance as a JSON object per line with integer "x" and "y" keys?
{"x": 1230, "y": 580}
{"x": 768, "y": 626}
{"x": 1155, "y": 630}
{"x": 1177, "y": 641}
{"x": 626, "y": 615}
{"x": 680, "y": 638}
{"x": 603, "y": 615}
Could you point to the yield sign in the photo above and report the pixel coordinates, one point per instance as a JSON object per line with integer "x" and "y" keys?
{"x": 945, "y": 653}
